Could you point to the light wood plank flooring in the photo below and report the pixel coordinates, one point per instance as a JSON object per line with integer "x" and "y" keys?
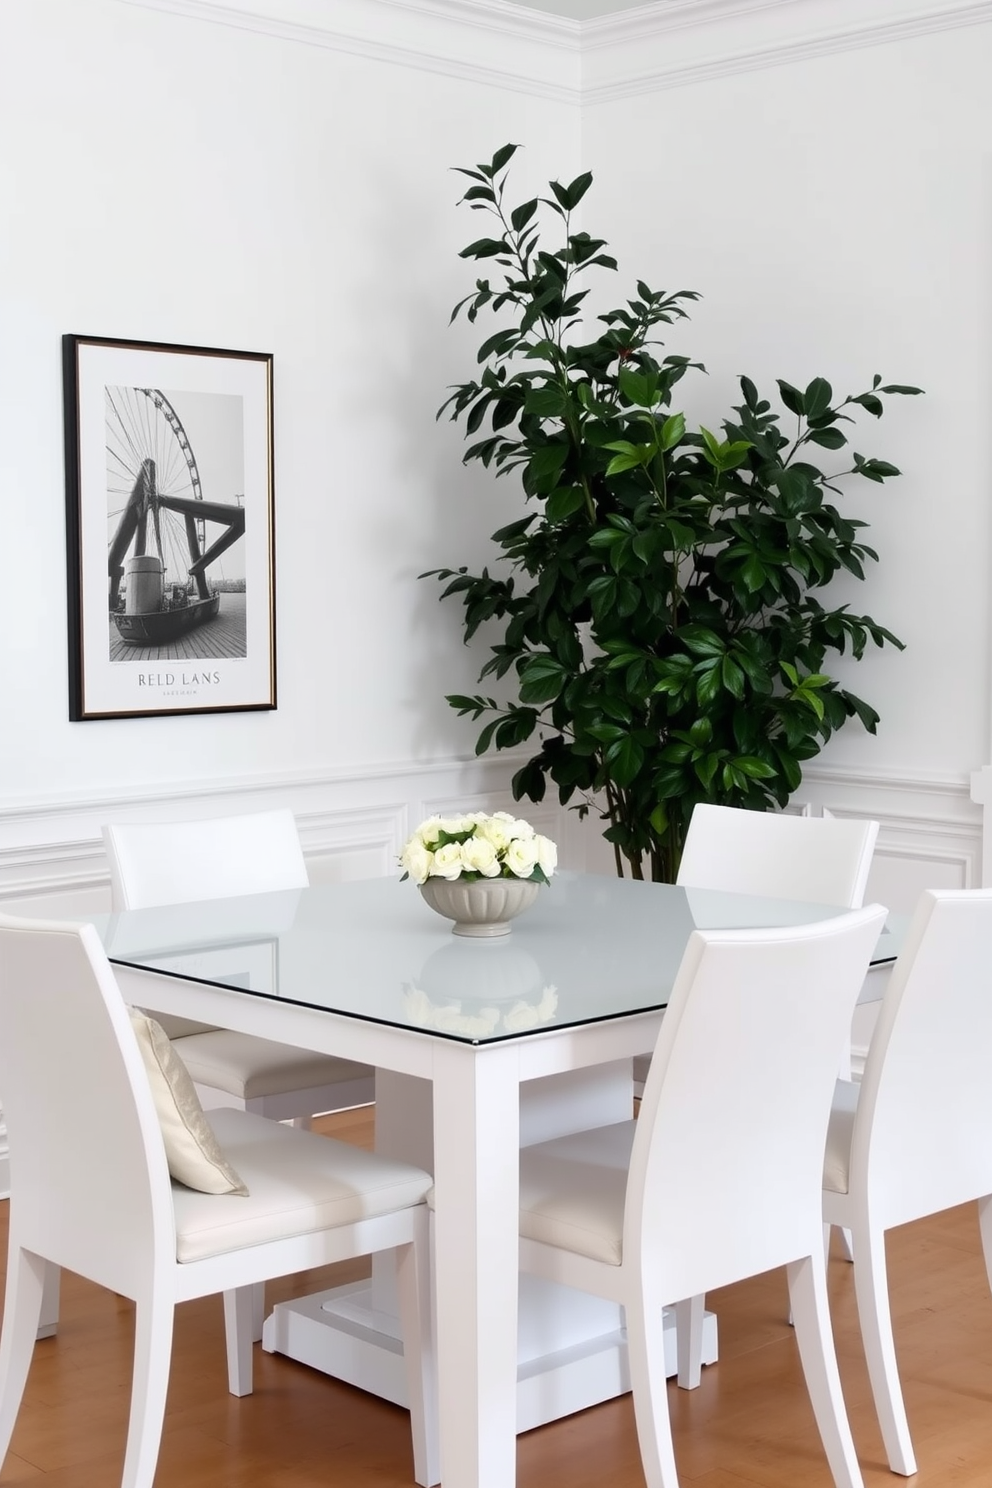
{"x": 748, "y": 1426}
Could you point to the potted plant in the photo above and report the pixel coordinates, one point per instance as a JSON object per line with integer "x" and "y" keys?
{"x": 660, "y": 619}
{"x": 480, "y": 871}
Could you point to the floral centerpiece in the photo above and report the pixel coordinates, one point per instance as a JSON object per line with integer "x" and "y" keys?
{"x": 477, "y": 846}
{"x": 480, "y": 871}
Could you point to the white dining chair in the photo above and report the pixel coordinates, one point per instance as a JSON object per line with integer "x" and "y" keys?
{"x": 914, "y": 1136}
{"x": 155, "y": 863}
{"x": 810, "y": 859}
{"x": 813, "y": 859}
{"x": 99, "y": 1112}
{"x": 719, "y": 1177}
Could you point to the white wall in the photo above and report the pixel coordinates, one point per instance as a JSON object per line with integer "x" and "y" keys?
{"x": 834, "y": 213}
{"x": 282, "y": 184}
{"x": 167, "y": 179}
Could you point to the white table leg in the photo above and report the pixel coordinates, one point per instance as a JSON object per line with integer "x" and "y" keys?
{"x": 476, "y": 1170}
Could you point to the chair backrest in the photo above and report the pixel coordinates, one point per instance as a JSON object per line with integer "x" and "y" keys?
{"x": 90, "y": 1186}
{"x": 154, "y": 863}
{"x": 923, "y": 1131}
{"x": 734, "y": 1116}
{"x": 815, "y": 859}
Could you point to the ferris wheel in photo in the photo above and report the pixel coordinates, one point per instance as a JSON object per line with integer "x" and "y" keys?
{"x": 157, "y": 546}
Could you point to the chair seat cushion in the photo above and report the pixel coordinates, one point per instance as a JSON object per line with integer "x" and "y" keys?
{"x": 572, "y": 1191}
{"x": 298, "y": 1183}
{"x": 248, "y": 1067}
{"x": 837, "y": 1160}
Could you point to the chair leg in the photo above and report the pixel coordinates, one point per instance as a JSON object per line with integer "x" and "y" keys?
{"x": 153, "y": 1324}
{"x": 872, "y": 1291}
{"x": 649, "y": 1385}
{"x": 49, "y": 1322}
{"x": 689, "y": 1341}
{"x": 846, "y": 1241}
{"x": 22, "y": 1312}
{"x": 239, "y": 1313}
{"x": 257, "y": 1311}
{"x": 985, "y": 1224}
{"x": 416, "y": 1309}
{"x": 811, "y": 1316}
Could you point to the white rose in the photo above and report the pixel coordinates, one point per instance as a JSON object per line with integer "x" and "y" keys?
{"x": 517, "y": 827}
{"x": 547, "y": 855}
{"x": 493, "y": 829}
{"x": 455, "y": 824}
{"x": 479, "y": 856}
{"x": 429, "y": 831}
{"x": 447, "y": 861}
{"x": 416, "y": 859}
{"x": 521, "y": 856}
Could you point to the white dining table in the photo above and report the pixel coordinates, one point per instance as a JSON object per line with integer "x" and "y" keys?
{"x": 368, "y": 972}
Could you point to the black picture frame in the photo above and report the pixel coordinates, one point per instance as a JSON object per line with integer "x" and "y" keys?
{"x": 170, "y": 528}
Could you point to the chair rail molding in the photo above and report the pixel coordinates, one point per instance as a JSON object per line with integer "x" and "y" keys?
{"x": 981, "y": 794}
{"x": 354, "y": 820}
{"x": 665, "y": 44}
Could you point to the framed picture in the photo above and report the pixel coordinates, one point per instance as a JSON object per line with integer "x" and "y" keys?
{"x": 170, "y": 528}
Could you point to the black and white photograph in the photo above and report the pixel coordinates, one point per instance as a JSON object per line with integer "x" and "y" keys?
{"x": 170, "y": 528}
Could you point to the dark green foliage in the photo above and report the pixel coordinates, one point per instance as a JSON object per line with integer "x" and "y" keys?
{"x": 659, "y": 622}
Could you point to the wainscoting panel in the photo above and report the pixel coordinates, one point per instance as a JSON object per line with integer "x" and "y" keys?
{"x": 353, "y": 824}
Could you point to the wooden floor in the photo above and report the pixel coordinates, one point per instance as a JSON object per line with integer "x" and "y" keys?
{"x": 748, "y": 1426}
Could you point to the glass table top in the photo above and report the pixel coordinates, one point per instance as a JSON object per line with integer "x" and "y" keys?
{"x": 591, "y": 948}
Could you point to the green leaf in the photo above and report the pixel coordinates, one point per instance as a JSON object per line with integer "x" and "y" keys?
{"x": 791, "y": 397}
{"x": 625, "y": 760}
{"x": 546, "y": 460}
{"x": 702, "y": 642}
{"x": 545, "y": 402}
{"x": 827, "y": 438}
{"x": 753, "y": 573}
{"x": 563, "y": 502}
{"x": 503, "y": 155}
{"x": 485, "y": 248}
{"x": 756, "y": 769}
{"x": 541, "y": 679}
{"x": 817, "y": 397}
{"x": 632, "y": 461}
{"x": 672, "y": 431}
{"x": 576, "y": 190}
{"x": 520, "y": 216}
{"x": 637, "y": 388}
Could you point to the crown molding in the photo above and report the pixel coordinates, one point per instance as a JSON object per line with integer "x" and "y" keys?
{"x": 698, "y": 41}
{"x": 526, "y": 51}
{"x": 585, "y": 62}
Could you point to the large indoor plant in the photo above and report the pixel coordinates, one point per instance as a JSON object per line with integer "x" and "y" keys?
{"x": 660, "y": 619}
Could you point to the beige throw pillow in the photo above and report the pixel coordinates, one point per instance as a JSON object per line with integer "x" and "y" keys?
{"x": 191, "y": 1148}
